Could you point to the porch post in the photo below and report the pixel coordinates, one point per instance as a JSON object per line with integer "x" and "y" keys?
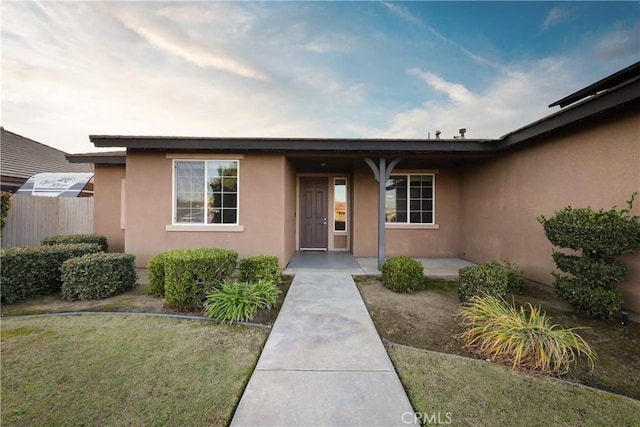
{"x": 382, "y": 172}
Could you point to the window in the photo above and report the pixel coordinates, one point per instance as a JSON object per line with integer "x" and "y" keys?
{"x": 206, "y": 192}
{"x": 409, "y": 199}
{"x": 340, "y": 204}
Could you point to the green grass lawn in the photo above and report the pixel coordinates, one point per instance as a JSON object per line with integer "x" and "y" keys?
{"x": 124, "y": 370}
{"x": 478, "y": 393}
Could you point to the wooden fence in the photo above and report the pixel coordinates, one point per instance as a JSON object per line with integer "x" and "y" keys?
{"x": 32, "y": 218}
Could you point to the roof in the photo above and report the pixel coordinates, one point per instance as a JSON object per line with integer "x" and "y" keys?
{"x": 22, "y": 157}
{"x": 610, "y": 95}
{"x": 620, "y": 77}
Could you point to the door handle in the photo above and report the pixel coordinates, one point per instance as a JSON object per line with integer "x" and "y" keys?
{"x": 324, "y": 221}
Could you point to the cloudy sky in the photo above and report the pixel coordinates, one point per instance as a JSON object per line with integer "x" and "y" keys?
{"x": 308, "y": 69}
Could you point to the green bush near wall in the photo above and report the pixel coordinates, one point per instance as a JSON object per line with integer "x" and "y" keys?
{"x": 191, "y": 274}
{"x": 5, "y": 205}
{"x": 493, "y": 279}
{"x": 155, "y": 274}
{"x": 98, "y": 275}
{"x": 31, "y": 272}
{"x": 593, "y": 273}
{"x": 260, "y": 268}
{"x": 402, "y": 274}
{"x": 77, "y": 238}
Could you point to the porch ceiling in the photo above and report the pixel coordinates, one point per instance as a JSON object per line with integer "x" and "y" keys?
{"x": 344, "y": 162}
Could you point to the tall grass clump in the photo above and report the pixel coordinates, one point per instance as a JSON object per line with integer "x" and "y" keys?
{"x": 240, "y": 301}
{"x": 525, "y": 338}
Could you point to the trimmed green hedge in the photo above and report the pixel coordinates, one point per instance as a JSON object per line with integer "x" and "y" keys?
{"x": 191, "y": 274}
{"x": 493, "y": 279}
{"x": 260, "y": 267}
{"x": 155, "y": 274}
{"x": 77, "y": 238}
{"x": 98, "y": 275}
{"x": 31, "y": 272}
{"x": 402, "y": 274}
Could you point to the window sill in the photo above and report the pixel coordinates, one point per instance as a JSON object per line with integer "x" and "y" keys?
{"x": 203, "y": 227}
{"x": 412, "y": 226}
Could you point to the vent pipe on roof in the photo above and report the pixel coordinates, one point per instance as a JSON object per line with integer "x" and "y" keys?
{"x": 462, "y": 132}
{"x": 438, "y": 134}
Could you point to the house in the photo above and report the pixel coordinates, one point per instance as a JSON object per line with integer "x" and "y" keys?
{"x": 468, "y": 198}
{"x": 21, "y": 158}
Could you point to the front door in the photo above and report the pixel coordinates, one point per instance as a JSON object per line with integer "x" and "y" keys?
{"x": 313, "y": 213}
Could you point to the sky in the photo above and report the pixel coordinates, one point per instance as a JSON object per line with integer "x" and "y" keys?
{"x": 300, "y": 69}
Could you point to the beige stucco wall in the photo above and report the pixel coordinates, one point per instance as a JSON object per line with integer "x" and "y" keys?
{"x": 149, "y": 209}
{"x": 598, "y": 166}
{"x": 414, "y": 242}
{"x": 107, "y": 206}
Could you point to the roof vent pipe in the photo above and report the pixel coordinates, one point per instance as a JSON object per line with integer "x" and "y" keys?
{"x": 438, "y": 134}
{"x": 462, "y": 132}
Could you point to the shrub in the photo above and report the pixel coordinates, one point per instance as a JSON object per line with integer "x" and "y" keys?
{"x": 260, "y": 267}
{"x": 191, "y": 274}
{"x": 155, "y": 274}
{"x": 492, "y": 278}
{"x": 240, "y": 301}
{"x": 598, "y": 302}
{"x": 31, "y": 272}
{"x": 77, "y": 238}
{"x": 522, "y": 338}
{"x": 5, "y": 205}
{"x": 594, "y": 272}
{"x": 98, "y": 275}
{"x": 402, "y": 274}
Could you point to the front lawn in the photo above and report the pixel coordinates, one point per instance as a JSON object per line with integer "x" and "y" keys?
{"x": 124, "y": 370}
{"x": 477, "y": 393}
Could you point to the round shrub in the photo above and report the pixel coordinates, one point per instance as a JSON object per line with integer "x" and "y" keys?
{"x": 598, "y": 302}
{"x": 98, "y": 275}
{"x": 492, "y": 278}
{"x": 260, "y": 267}
{"x": 402, "y": 274}
{"x": 191, "y": 274}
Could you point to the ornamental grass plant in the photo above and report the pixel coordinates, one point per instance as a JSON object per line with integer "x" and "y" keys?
{"x": 240, "y": 301}
{"x": 524, "y": 338}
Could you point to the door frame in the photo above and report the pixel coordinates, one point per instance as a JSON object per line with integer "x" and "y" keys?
{"x": 331, "y": 234}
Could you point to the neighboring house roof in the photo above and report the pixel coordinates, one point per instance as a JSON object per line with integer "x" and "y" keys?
{"x": 22, "y": 157}
{"x": 618, "y": 91}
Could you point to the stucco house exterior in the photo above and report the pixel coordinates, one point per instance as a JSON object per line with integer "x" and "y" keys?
{"x": 467, "y": 198}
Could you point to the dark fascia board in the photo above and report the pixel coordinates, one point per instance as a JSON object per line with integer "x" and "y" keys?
{"x": 614, "y": 98}
{"x": 108, "y": 158}
{"x": 309, "y": 145}
{"x": 608, "y": 82}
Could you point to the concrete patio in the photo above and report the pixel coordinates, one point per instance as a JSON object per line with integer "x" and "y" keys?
{"x": 345, "y": 262}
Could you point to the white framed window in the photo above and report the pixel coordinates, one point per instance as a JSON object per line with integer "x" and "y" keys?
{"x": 340, "y": 204}
{"x": 206, "y": 192}
{"x": 410, "y": 199}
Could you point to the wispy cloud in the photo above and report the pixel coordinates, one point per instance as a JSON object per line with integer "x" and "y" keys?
{"x": 455, "y": 91}
{"x": 555, "y": 16}
{"x": 181, "y": 45}
{"x": 403, "y": 13}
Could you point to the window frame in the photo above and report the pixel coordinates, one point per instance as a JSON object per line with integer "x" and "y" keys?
{"x": 408, "y": 222}
{"x": 203, "y": 225}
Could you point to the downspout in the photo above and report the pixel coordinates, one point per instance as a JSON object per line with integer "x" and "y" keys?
{"x": 382, "y": 173}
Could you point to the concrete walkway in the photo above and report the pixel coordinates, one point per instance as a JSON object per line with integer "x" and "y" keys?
{"x": 324, "y": 363}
